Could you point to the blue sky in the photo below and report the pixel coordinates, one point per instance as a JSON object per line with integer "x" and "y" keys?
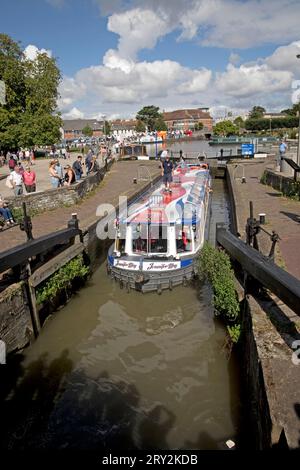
{"x": 116, "y": 56}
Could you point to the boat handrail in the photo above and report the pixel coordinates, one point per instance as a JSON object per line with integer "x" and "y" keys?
{"x": 148, "y": 177}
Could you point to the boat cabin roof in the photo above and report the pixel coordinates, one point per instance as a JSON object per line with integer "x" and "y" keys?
{"x": 182, "y": 205}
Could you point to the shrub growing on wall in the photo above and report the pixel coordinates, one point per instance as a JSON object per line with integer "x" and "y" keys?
{"x": 61, "y": 280}
{"x": 216, "y": 267}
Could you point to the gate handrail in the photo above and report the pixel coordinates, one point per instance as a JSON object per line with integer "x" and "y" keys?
{"x": 285, "y": 286}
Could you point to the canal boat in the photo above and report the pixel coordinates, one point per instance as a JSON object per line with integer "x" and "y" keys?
{"x": 131, "y": 151}
{"x": 158, "y": 239}
{"x": 151, "y": 139}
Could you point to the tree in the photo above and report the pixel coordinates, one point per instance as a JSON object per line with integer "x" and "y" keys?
{"x": 148, "y": 115}
{"x": 199, "y": 126}
{"x": 140, "y": 126}
{"x": 160, "y": 124}
{"x": 292, "y": 111}
{"x": 28, "y": 117}
{"x": 225, "y": 128}
{"x": 107, "y": 128}
{"x": 88, "y": 131}
{"x": 239, "y": 121}
{"x": 277, "y": 123}
{"x": 256, "y": 112}
{"x": 39, "y": 129}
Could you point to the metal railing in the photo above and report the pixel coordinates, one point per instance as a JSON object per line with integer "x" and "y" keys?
{"x": 260, "y": 267}
{"x": 148, "y": 176}
{"x": 19, "y": 255}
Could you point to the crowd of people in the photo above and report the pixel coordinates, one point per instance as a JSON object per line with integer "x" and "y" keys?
{"x": 22, "y": 176}
{"x": 72, "y": 173}
{"x": 12, "y": 158}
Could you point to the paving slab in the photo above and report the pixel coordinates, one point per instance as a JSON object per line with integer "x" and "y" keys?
{"x": 282, "y": 214}
{"x": 117, "y": 182}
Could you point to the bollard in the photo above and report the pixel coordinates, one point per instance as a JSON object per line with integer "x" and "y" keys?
{"x": 74, "y": 222}
{"x": 262, "y": 218}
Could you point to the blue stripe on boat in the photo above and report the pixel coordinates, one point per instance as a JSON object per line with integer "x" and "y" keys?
{"x": 186, "y": 262}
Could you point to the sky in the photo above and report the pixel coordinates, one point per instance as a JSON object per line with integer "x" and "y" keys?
{"x": 117, "y": 56}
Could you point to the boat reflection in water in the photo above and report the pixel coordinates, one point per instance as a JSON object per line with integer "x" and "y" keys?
{"x": 157, "y": 242}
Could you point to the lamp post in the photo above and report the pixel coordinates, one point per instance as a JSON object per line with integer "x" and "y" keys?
{"x": 105, "y": 136}
{"x": 298, "y": 149}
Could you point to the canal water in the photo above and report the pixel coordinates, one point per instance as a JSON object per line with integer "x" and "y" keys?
{"x": 190, "y": 148}
{"x": 118, "y": 370}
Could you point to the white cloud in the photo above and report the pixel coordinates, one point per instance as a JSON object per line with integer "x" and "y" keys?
{"x": 221, "y": 23}
{"x": 122, "y": 84}
{"x": 74, "y": 113}
{"x": 284, "y": 58}
{"x": 198, "y": 81}
{"x": 70, "y": 91}
{"x": 138, "y": 29}
{"x": 246, "y": 81}
{"x": 31, "y": 52}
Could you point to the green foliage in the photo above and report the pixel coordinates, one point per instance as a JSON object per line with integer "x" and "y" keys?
{"x": 293, "y": 111}
{"x": 88, "y": 131}
{"x": 149, "y": 115}
{"x": 293, "y": 190}
{"x": 263, "y": 179}
{"x": 28, "y": 117}
{"x": 215, "y": 264}
{"x": 256, "y": 112}
{"x": 225, "y": 128}
{"x": 107, "y": 128}
{"x": 239, "y": 122}
{"x": 41, "y": 80}
{"x": 199, "y": 126}
{"x": 140, "y": 126}
{"x": 38, "y": 129}
{"x": 234, "y": 332}
{"x": 61, "y": 280}
{"x": 160, "y": 124}
{"x": 17, "y": 213}
{"x": 276, "y": 123}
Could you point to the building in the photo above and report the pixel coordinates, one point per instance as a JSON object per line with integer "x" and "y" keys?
{"x": 184, "y": 119}
{"x": 72, "y": 128}
{"x": 123, "y": 128}
{"x": 274, "y": 115}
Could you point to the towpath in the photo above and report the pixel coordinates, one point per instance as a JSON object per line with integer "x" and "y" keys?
{"x": 282, "y": 214}
{"x": 117, "y": 182}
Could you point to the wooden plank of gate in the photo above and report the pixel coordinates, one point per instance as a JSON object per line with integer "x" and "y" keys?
{"x": 55, "y": 263}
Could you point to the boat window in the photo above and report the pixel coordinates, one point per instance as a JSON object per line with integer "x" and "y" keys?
{"x": 139, "y": 245}
{"x": 120, "y": 239}
{"x": 183, "y": 238}
{"x": 158, "y": 242}
{"x": 149, "y": 239}
{"x": 139, "y": 238}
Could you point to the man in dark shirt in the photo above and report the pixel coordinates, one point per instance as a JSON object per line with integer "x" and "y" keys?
{"x": 167, "y": 172}
{"x": 77, "y": 167}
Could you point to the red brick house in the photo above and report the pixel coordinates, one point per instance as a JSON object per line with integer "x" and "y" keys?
{"x": 184, "y": 119}
{"x": 73, "y": 128}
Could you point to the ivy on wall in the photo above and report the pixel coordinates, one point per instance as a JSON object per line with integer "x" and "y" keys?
{"x": 216, "y": 266}
{"x": 61, "y": 280}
